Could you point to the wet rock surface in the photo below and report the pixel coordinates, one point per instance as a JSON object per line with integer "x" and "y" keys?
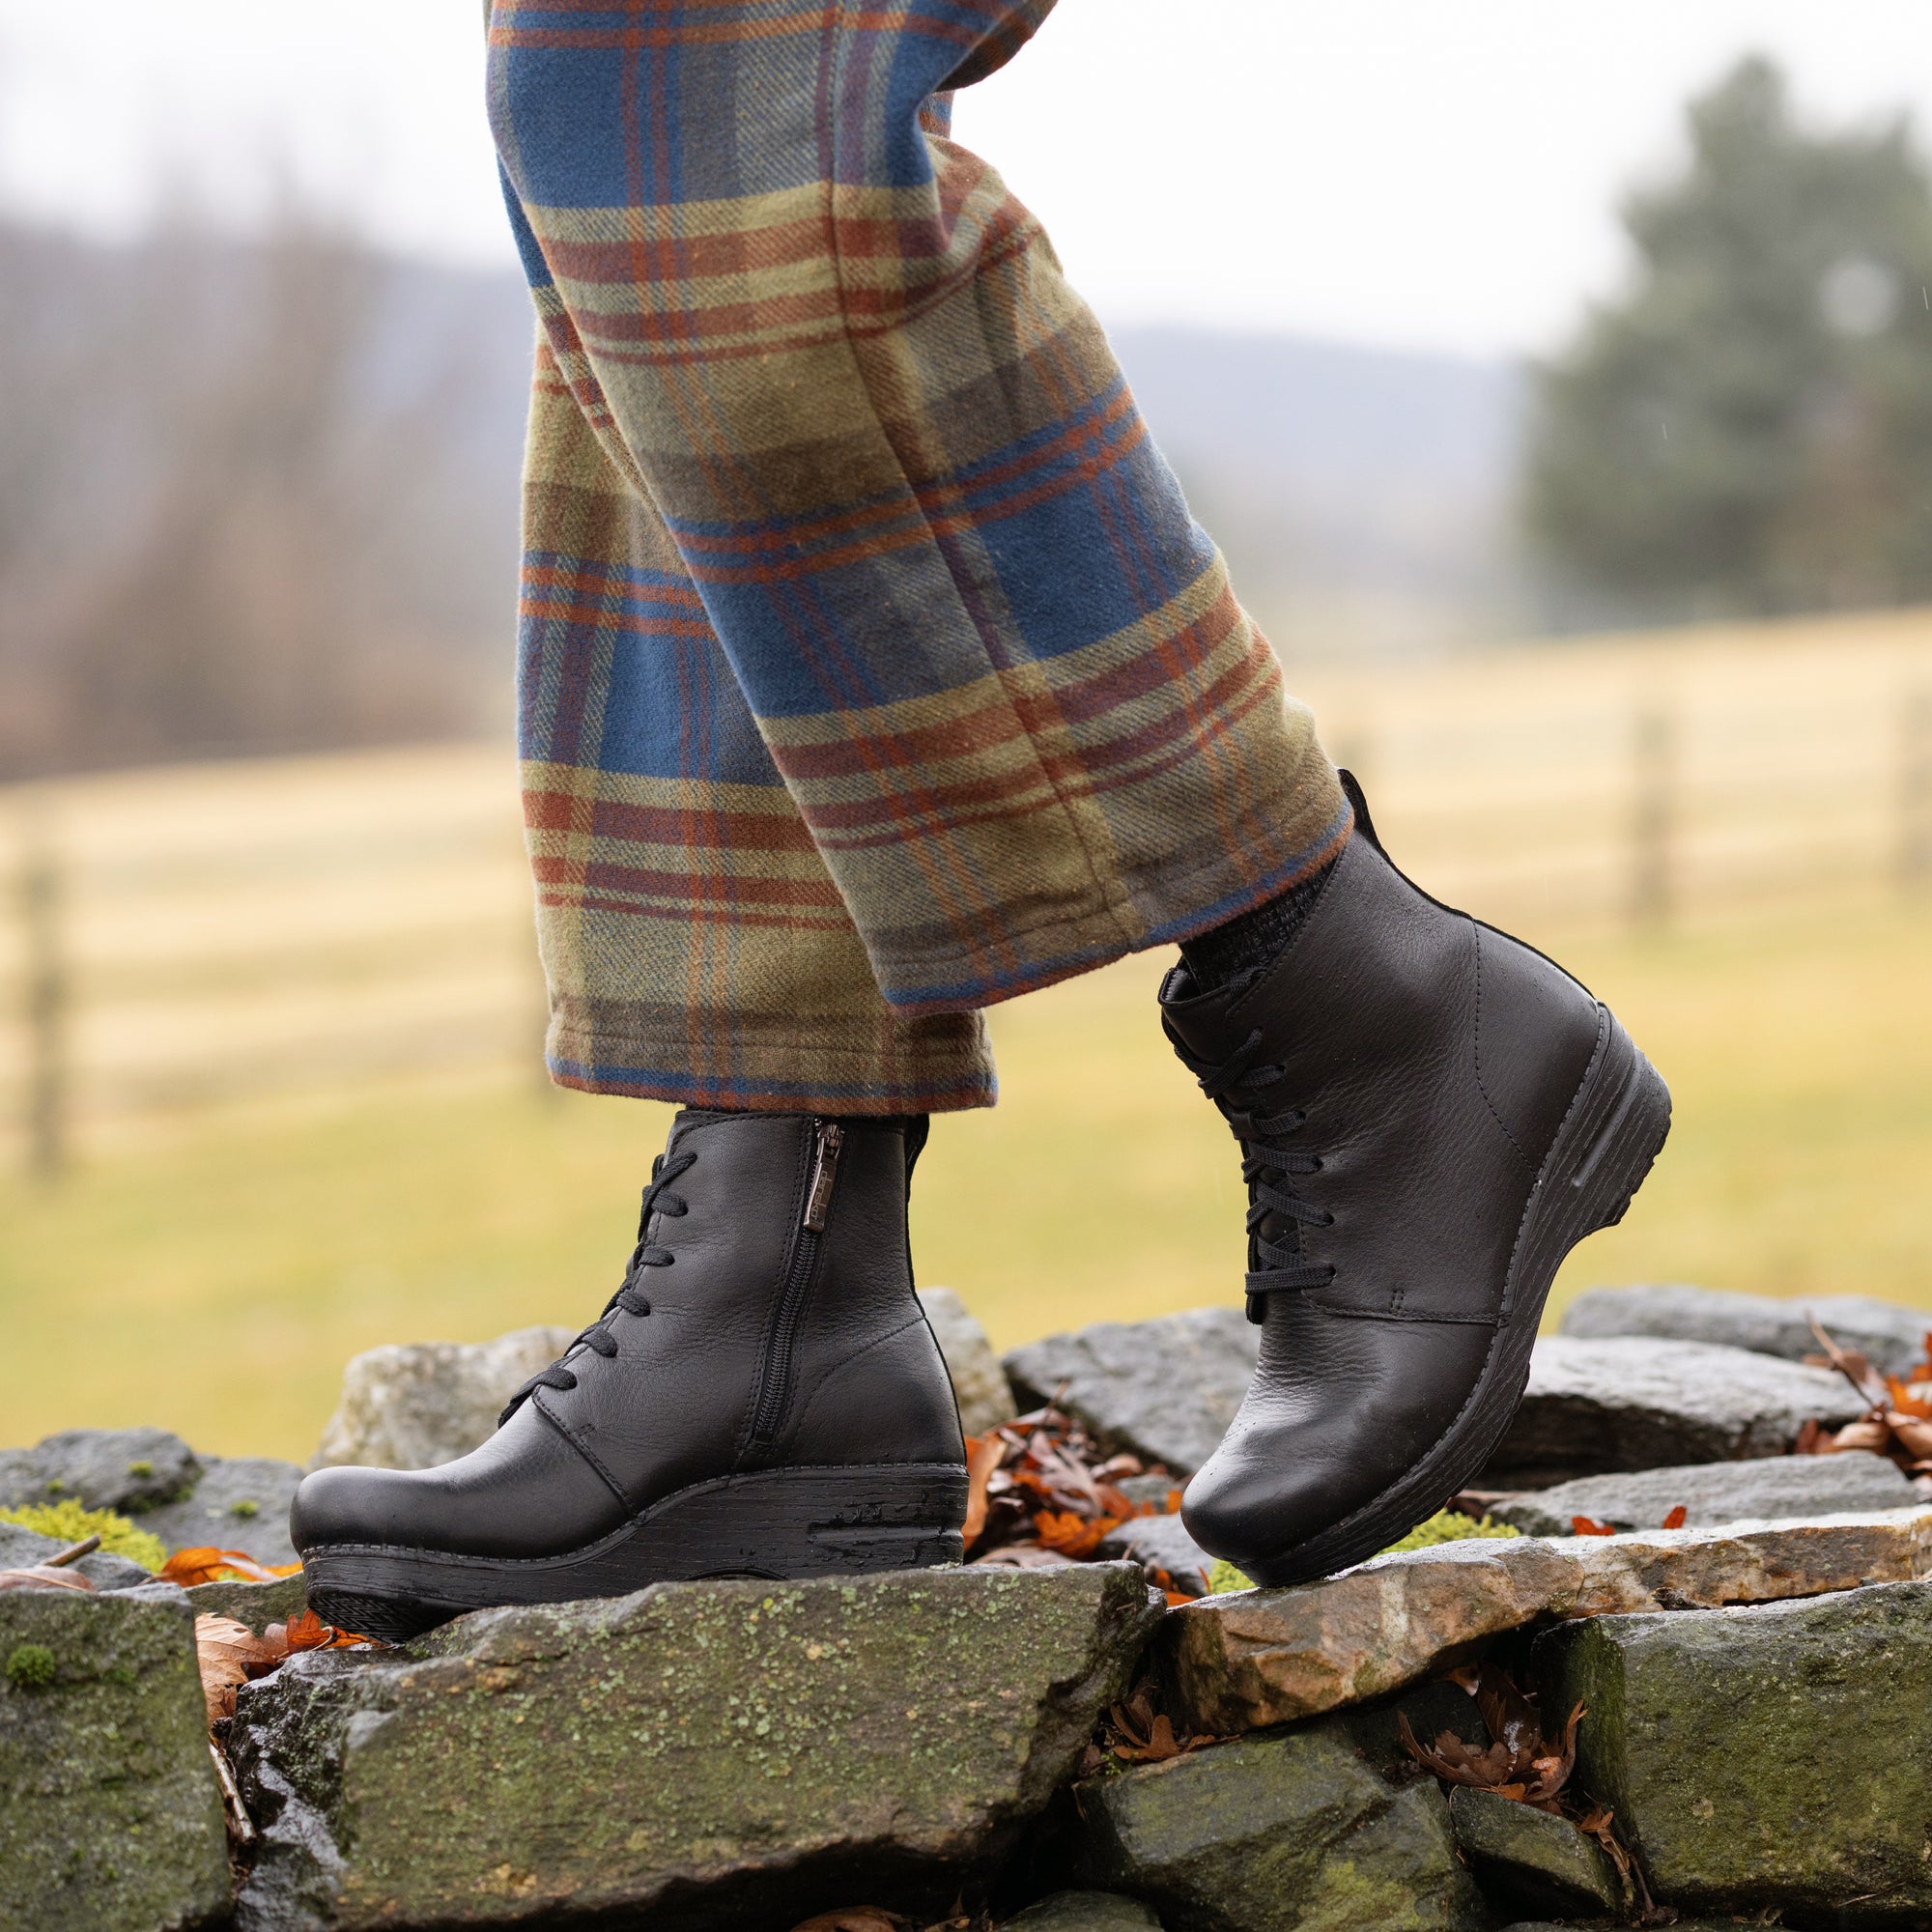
{"x": 1164, "y": 1390}
{"x": 713, "y": 1755}
{"x": 985, "y": 1399}
{"x": 417, "y": 1405}
{"x": 255, "y": 1605}
{"x": 1239, "y": 1661}
{"x": 1771, "y": 1488}
{"x": 1532, "y": 1859}
{"x": 111, "y": 1816}
{"x": 1891, "y": 1335}
{"x": 1271, "y": 1833}
{"x": 1632, "y": 1402}
{"x": 1162, "y": 1542}
{"x": 1769, "y": 1758}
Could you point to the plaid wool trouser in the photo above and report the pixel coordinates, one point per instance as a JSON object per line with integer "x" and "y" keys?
{"x": 873, "y": 669}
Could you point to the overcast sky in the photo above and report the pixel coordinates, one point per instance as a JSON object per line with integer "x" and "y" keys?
{"x": 1436, "y": 174}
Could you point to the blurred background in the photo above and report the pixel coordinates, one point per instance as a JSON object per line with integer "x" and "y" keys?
{"x": 1558, "y": 383}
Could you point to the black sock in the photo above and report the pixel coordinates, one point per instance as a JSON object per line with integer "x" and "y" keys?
{"x": 1253, "y": 939}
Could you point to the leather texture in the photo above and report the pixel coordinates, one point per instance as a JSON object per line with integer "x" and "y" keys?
{"x": 1432, "y": 1061}
{"x": 820, "y": 1335}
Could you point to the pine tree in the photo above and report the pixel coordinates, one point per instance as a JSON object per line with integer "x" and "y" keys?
{"x": 1750, "y": 428}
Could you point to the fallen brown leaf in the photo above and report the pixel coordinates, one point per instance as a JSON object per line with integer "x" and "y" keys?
{"x": 1073, "y": 1535}
{"x": 1869, "y": 1434}
{"x": 205, "y": 1564}
{"x": 983, "y": 1455}
{"x": 228, "y": 1653}
{"x": 1519, "y": 1762}
{"x": 42, "y": 1576}
{"x": 1135, "y": 1732}
{"x": 308, "y": 1631}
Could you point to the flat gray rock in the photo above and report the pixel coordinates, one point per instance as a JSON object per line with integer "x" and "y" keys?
{"x": 419, "y": 1405}
{"x": 1164, "y": 1390}
{"x": 21, "y": 1549}
{"x": 1275, "y": 1834}
{"x": 1530, "y": 1860}
{"x": 125, "y": 1469}
{"x": 1767, "y": 1759}
{"x": 699, "y": 1758}
{"x": 1162, "y": 1542}
{"x": 1770, "y": 1488}
{"x": 111, "y": 1816}
{"x": 1891, "y": 1335}
{"x": 1635, "y": 1403}
{"x": 979, "y": 1382}
{"x": 241, "y": 1502}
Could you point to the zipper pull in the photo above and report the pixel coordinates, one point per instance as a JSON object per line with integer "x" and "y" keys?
{"x": 824, "y": 1172}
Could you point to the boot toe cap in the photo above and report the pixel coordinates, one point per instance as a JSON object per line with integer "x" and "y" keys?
{"x": 357, "y": 1505}
{"x": 526, "y": 1493}
{"x": 1310, "y": 1451}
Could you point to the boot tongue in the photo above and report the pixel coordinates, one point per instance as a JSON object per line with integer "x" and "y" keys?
{"x": 1199, "y": 1020}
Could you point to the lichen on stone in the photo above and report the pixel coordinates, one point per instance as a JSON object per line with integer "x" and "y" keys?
{"x": 69, "y": 1522}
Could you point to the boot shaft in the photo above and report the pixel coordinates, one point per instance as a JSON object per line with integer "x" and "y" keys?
{"x": 784, "y": 1327}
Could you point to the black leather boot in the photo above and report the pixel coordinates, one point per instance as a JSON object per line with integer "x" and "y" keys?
{"x": 1431, "y": 1116}
{"x": 761, "y": 1398}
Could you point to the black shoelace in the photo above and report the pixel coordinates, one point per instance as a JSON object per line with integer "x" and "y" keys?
{"x": 1237, "y": 1086}
{"x": 628, "y": 1299}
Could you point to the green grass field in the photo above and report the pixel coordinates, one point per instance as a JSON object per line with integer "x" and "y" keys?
{"x": 216, "y": 1282}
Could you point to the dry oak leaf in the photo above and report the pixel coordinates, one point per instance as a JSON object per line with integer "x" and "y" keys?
{"x": 42, "y": 1576}
{"x": 1913, "y": 1435}
{"x": 228, "y": 1653}
{"x": 1521, "y": 1764}
{"x": 204, "y": 1564}
{"x": 983, "y": 1455}
{"x": 1068, "y": 1533}
{"x": 308, "y": 1631}
{"x": 1868, "y": 1434}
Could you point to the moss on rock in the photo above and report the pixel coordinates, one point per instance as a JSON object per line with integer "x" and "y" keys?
{"x": 1284, "y": 1832}
{"x": 707, "y": 1754}
{"x": 110, "y": 1818}
{"x": 1445, "y": 1526}
{"x": 69, "y": 1522}
{"x": 1772, "y": 1756}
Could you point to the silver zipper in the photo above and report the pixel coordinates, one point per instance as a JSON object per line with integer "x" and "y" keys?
{"x": 824, "y": 1173}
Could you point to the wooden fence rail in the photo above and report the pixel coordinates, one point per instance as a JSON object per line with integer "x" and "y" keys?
{"x": 290, "y": 930}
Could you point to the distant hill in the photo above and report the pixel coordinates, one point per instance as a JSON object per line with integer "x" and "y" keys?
{"x": 262, "y": 496}
{"x": 1362, "y": 494}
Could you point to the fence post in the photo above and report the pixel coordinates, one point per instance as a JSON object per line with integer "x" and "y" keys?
{"x": 1652, "y": 817}
{"x": 47, "y": 988}
{"x": 1915, "y": 790}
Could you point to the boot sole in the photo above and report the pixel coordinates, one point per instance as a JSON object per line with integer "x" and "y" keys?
{"x": 1615, "y": 1130}
{"x": 776, "y": 1524}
